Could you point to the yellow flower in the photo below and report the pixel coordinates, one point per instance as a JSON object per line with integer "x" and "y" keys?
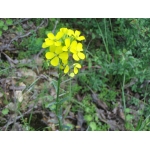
{"x": 77, "y": 36}
{"x": 47, "y": 43}
{"x": 61, "y": 46}
{"x": 52, "y": 40}
{"x": 55, "y": 54}
{"x": 64, "y": 30}
{"x": 70, "y": 32}
{"x": 76, "y": 49}
{"x": 67, "y": 44}
{"x": 66, "y": 70}
{"x": 75, "y": 70}
{"x": 63, "y": 64}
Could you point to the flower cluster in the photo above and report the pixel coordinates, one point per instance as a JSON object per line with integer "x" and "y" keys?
{"x": 65, "y": 44}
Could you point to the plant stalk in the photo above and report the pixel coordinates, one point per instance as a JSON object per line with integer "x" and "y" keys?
{"x": 123, "y": 95}
{"x": 57, "y": 101}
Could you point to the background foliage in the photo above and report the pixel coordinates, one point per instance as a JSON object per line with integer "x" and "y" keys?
{"x": 116, "y": 68}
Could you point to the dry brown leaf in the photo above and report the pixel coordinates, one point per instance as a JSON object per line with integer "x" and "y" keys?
{"x": 80, "y": 120}
{"x": 98, "y": 102}
{"x": 101, "y": 115}
{"x": 113, "y": 125}
{"x": 121, "y": 114}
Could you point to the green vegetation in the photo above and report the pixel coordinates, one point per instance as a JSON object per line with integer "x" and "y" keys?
{"x": 110, "y": 92}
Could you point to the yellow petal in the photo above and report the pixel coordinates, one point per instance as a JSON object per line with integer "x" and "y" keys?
{"x": 81, "y": 38}
{"x": 77, "y": 33}
{"x": 59, "y": 35}
{"x": 64, "y": 30}
{"x": 75, "y": 70}
{"x": 79, "y": 47}
{"x": 49, "y": 42}
{"x": 66, "y": 69}
{"x": 46, "y": 39}
{"x": 73, "y": 48}
{"x": 70, "y": 32}
{"x": 52, "y": 48}
{"x": 64, "y": 62}
{"x": 81, "y": 55}
{"x": 44, "y": 45}
{"x": 58, "y": 50}
{"x": 77, "y": 65}
{"x": 67, "y": 42}
{"x": 63, "y": 56}
{"x": 49, "y": 55}
{"x": 71, "y": 75}
{"x": 65, "y": 48}
{"x": 51, "y": 36}
{"x": 74, "y": 43}
{"x": 55, "y": 61}
{"x": 58, "y": 43}
{"x": 75, "y": 57}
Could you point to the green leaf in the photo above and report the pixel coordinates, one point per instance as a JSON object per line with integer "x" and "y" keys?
{"x": 63, "y": 100}
{"x": 1, "y": 23}
{"x": 39, "y": 41}
{"x": 129, "y": 117}
{"x": 68, "y": 126}
{"x": 87, "y": 109}
{"x": 88, "y": 118}
{"x": 54, "y": 83}
{"x": 127, "y": 110}
{"x": 5, "y": 111}
{"x": 5, "y": 28}
{"x": 9, "y": 22}
{"x": 48, "y": 105}
{"x": 93, "y": 126}
{"x": 93, "y": 36}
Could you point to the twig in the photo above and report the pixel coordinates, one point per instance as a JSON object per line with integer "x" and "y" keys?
{"x": 24, "y": 20}
{"x": 9, "y": 59}
{"x": 55, "y": 26}
{"x": 7, "y": 46}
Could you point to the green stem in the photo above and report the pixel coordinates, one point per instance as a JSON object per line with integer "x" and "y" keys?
{"x": 123, "y": 95}
{"x": 112, "y": 33}
{"x": 57, "y": 102}
{"x": 106, "y": 46}
{"x": 105, "y": 31}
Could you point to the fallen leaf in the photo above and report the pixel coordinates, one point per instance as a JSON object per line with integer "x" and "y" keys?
{"x": 101, "y": 115}
{"x": 98, "y": 102}
{"x": 113, "y": 125}
{"x": 80, "y": 120}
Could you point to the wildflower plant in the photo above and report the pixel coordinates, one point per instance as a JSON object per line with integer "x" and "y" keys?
{"x": 65, "y": 51}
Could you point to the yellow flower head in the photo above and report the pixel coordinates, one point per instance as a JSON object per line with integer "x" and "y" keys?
{"x": 52, "y": 40}
{"x": 67, "y": 44}
{"x": 64, "y": 30}
{"x": 77, "y": 36}
{"x": 75, "y": 70}
{"x": 55, "y": 54}
{"x": 76, "y": 49}
{"x": 62, "y": 46}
